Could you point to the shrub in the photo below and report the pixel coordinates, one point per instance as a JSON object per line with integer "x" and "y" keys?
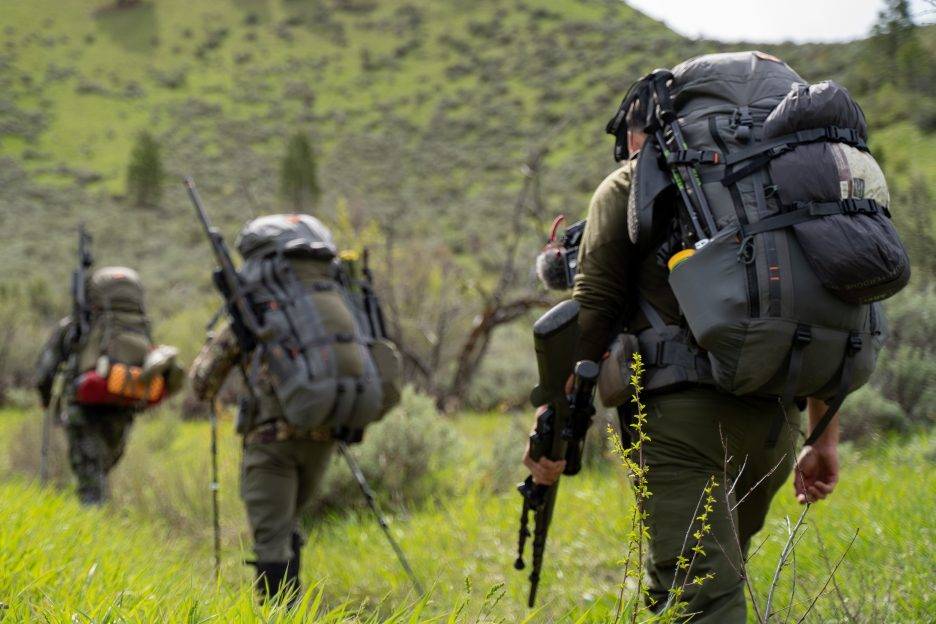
{"x": 299, "y": 174}
{"x": 145, "y": 172}
{"x": 399, "y": 455}
{"x": 907, "y": 368}
{"x": 867, "y": 413}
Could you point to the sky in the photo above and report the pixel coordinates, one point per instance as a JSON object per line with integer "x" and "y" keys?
{"x": 774, "y": 20}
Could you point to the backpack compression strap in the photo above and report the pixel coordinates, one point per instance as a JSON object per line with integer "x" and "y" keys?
{"x": 801, "y": 338}
{"x": 845, "y": 380}
{"x": 762, "y": 153}
{"x": 806, "y": 211}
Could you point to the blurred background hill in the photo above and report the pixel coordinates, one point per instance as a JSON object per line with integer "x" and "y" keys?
{"x": 444, "y": 135}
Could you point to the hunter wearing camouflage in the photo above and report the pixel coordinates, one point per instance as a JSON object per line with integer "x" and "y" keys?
{"x": 280, "y": 468}
{"x": 97, "y": 436}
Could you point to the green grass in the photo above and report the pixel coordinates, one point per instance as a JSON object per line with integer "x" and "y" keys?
{"x": 146, "y": 557}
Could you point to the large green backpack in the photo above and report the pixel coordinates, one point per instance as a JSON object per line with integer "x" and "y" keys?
{"x": 327, "y": 367}
{"x": 783, "y": 221}
{"x": 119, "y": 329}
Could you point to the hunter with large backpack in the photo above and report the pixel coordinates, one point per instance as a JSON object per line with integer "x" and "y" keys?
{"x": 99, "y": 368}
{"x": 743, "y": 249}
{"x": 306, "y": 335}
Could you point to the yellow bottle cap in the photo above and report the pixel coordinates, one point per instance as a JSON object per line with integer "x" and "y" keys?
{"x": 678, "y": 257}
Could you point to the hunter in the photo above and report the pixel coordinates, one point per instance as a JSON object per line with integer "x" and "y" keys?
{"x": 636, "y": 268}
{"x": 324, "y": 350}
{"x": 96, "y": 379}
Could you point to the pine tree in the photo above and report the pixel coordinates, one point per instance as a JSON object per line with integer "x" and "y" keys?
{"x": 299, "y": 175}
{"x": 145, "y": 172}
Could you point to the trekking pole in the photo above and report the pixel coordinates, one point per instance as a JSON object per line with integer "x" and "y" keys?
{"x": 701, "y": 238}
{"x": 372, "y": 502}
{"x": 46, "y": 442}
{"x": 51, "y": 413}
{"x": 214, "y": 487}
{"x": 667, "y": 115}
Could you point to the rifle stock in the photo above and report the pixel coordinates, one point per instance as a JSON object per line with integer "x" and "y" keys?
{"x": 560, "y": 427}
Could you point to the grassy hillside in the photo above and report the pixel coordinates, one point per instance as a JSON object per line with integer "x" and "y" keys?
{"x": 60, "y": 562}
{"x": 420, "y": 113}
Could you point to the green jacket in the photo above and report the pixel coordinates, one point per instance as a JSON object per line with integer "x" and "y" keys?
{"x": 612, "y": 272}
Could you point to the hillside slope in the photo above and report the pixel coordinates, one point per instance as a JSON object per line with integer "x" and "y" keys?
{"x": 418, "y": 109}
{"x": 421, "y": 114}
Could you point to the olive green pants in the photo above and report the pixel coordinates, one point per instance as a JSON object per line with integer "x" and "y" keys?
{"x": 692, "y": 432}
{"x": 277, "y": 482}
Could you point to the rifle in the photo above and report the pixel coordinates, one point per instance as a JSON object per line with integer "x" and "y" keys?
{"x": 372, "y": 307}
{"x": 560, "y": 428}
{"x": 81, "y": 311}
{"x": 244, "y": 322}
{"x": 78, "y": 331}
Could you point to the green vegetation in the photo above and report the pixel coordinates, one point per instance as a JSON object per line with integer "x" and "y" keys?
{"x": 406, "y": 126}
{"x": 145, "y": 172}
{"x": 420, "y": 113}
{"x": 298, "y": 174}
{"x": 147, "y": 557}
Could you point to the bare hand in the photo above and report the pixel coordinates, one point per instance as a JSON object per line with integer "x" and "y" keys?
{"x": 816, "y": 473}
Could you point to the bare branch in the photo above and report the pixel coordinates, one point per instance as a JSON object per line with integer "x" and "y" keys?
{"x": 762, "y": 479}
{"x": 838, "y": 592}
{"x": 736, "y": 534}
{"x": 784, "y": 556}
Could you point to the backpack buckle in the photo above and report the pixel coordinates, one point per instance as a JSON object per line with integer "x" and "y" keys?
{"x": 854, "y": 342}
{"x": 691, "y": 157}
{"x": 845, "y": 135}
{"x": 802, "y": 336}
{"x": 854, "y": 206}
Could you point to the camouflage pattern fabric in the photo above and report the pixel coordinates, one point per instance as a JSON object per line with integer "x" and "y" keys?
{"x": 213, "y": 363}
{"x": 54, "y": 354}
{"x": 96, "y": 441}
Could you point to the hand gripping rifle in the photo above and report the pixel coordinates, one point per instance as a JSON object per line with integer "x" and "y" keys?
{"x": 560, "y": 428}
{"x": 77, "y": 333}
